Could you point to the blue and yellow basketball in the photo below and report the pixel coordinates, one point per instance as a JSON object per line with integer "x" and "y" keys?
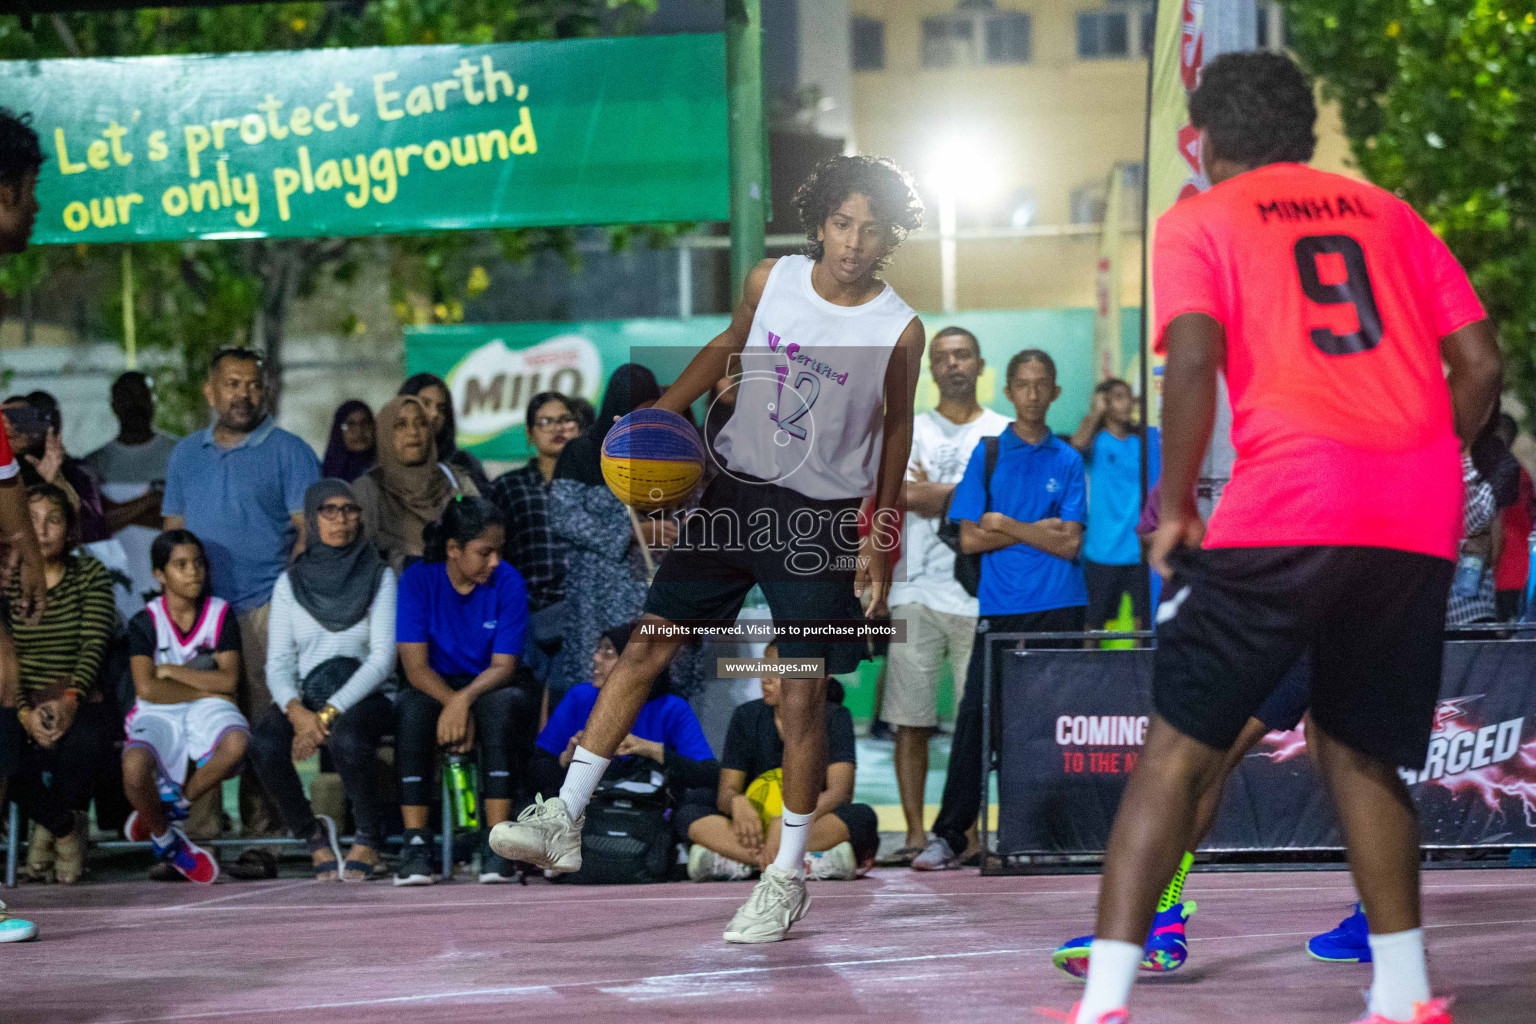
{"x": 652, "y": 459}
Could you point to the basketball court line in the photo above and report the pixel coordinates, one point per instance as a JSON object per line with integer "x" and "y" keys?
{"x": 481, "y": 993}
{"x": 734, "y": 896}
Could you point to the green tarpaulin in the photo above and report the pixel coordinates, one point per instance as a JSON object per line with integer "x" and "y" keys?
{"x": 378, "y": 140}
{"x": 493, "y": 369}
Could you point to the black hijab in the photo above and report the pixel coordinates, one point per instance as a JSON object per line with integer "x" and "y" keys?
{"x": 630, "y": 387}
{"x": 341, "y": 462}
{"x": 335, "y": 585}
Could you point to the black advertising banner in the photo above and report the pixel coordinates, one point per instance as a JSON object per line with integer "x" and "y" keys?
{"x": 1074, "y": 722}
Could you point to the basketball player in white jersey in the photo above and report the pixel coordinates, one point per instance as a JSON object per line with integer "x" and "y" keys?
{"x": 829, "y": 357}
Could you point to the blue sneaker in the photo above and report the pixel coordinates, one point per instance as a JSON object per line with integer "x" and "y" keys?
{"x": 1346, "y": 944}
{"x": 1167, "y": 947}
{"x": 14, "y": 929}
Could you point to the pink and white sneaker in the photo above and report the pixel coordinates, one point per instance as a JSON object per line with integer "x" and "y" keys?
{"x": 1436, "y": 1011}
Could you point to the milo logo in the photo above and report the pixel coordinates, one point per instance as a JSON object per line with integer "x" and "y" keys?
{"x": 491, "y": 385}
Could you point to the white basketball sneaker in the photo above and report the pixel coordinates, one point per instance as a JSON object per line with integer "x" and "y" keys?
{"x": 778, "y": 900}
{"x": 834, "y": 865}
{"x": 543, "y": 835}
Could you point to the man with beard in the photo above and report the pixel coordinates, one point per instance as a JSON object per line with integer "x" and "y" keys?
{"x": 239, "y": 485}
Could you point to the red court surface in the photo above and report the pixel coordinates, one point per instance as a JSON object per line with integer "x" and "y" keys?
{"x": 895, "y": 947}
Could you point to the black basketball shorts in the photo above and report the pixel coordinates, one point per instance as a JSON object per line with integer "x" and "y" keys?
{"x": 802, "y": 552}
{"x": 1234, "y": 621}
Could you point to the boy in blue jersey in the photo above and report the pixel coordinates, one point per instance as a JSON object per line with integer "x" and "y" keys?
{"x": 1027, "y": 520}
{"x": 1110, "y": 443}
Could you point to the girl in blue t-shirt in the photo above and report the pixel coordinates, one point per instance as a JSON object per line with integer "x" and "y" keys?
{"x": 459, "y": 629}
{"x": 666, "y": 731}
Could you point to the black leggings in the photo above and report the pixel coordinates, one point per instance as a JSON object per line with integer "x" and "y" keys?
{"x": 72, "y": 766}
{"x": 501, "y": 716}
{"x": 354, "y": 747}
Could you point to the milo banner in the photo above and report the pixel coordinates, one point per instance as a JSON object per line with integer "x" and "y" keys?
{"x": 377, "y": 140}
{"x": 1074, "y": 723}
{"x": 493, "y": 370}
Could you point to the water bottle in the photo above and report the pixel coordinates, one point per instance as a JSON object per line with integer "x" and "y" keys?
{"x": 464, "y": 785}
{"x": 1530, "y": 579}
{"x": 1468, "y": 580}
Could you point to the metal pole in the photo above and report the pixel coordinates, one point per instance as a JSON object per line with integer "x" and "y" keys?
{"x": 685, "y": 279}
{"x": 748, "y": 151}
{"x": 948, "y": 222}
{"x": 130, "y": 338}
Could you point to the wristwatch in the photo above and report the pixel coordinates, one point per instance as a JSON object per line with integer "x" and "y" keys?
{"x": 328, "y": 714}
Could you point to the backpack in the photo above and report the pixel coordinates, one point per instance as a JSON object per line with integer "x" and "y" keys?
{"x": 627, "y": 839}
{"x": 968, "y": 566}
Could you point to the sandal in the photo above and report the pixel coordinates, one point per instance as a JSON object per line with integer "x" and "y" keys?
{"x": 40, "y": 855}
{"x": 69, "y": 853}
{"x": 254, "y": 866}
{"x": 362, "y": 869}
{"x": 324, "y": 838}
{"x": 901, "y": 858}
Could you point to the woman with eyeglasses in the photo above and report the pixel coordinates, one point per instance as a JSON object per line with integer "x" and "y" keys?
{"x": 349, "y": 453}
{"x": 330, "y": 647}
{"x": 523, "y": 497}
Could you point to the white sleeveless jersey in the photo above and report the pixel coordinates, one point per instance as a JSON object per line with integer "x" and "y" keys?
{"x": 171, "y": 647}
{"x": 810, "y": 406}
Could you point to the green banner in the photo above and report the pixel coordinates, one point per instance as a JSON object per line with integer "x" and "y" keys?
{"x": 379, "y": 140}
{"x": 493, "y": 370}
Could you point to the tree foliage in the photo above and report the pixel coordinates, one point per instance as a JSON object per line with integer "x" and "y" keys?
{"x": 1438, "y": 99}
{"x": 193, "y": 297}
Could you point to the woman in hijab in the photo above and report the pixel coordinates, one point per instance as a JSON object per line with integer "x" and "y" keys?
{"x": 410, "y": 485}
{"x": 330, "y": 647}
{"x": 605, "y": 572}
{"x": 435, "y": 398}
{"x": 350, "y": 451}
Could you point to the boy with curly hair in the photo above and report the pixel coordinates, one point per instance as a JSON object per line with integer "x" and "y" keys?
{"x": 828, "y": 357}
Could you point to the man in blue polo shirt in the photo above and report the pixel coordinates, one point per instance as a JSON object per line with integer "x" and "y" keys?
{"x": 1028, "y": 523}
{"x": 239, "y": 485}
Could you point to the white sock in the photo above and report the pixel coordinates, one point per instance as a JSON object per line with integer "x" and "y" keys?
{"x": 792, "y": 840}
{"x": 1112, "y": 969}
{"x": 581, "y": 778}
{"x": 1400, "y": 976}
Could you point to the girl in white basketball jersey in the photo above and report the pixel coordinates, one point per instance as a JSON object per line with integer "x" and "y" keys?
{"x": 828, "y": 358}
{"x": 185, "y": 656}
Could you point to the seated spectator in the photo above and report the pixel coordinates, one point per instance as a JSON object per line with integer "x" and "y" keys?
{"x": 33, "y": 424}
{"x": 349, "y": 452}
{"x": 433, "y": 394}
{"x": 737, "y": 834}
{"x": 409, "y": 486}
{"x": 532, "y": 549}
{"x": 459, "y": 630}
{"x": 60, "y": 701}
{"x": 330, "y": 646}
{"x": 667, "y": 731}
{"x": 185, "y": 655}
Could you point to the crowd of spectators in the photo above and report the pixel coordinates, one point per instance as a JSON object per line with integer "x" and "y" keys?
{"x": 229, "y": 605}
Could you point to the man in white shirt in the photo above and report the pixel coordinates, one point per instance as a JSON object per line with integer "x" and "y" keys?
{"x": 940, "y": 615}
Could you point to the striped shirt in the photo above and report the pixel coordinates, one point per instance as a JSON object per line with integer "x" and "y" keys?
{"x": 64, "y": 650}
{"x": 531, "y": 545}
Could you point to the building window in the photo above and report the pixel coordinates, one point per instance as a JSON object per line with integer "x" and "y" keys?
{"x": 1008, "y": 39}
{"x": 976, "y": 33}
{"x": 1126, "y": 29}
{"x": 868, "y": 44}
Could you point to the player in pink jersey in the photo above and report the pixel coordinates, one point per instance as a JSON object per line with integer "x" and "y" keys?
{"x": 1330, "y": 305}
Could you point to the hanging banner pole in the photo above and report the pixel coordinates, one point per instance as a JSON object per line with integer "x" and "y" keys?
{"x": 748, "y": 152}
{"x": 130, "y": 335}
{"x": 1106, "y": 321}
